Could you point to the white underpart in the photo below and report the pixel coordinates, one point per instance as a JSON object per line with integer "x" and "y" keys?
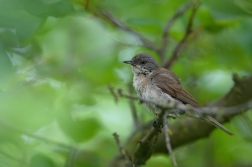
{"x": 149, "y": 91}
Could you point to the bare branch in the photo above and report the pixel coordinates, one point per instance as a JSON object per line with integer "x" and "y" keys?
{"x": 167, "y": 28}
{"x": 167, "y": 140}
{"x": 122, "y": 151}
{"x": 148, "y": 44}
{"x": 182, "y": 42}
{"x": 112, "y": 91}
{"x": 71, "y": 158}
{"x": 86, "y": 4}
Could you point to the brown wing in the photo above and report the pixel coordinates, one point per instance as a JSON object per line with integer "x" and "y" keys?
{"x": 169, "y": 83}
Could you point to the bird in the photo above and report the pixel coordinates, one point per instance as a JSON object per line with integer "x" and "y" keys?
{"x": 160, "y": 85}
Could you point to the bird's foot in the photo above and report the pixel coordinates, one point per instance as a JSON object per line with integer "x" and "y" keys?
{"x": 157, "y": 125}
{"x": 175, "y": 114}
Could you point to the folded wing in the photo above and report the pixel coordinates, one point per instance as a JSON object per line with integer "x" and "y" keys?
{"x": 169, "y": 83}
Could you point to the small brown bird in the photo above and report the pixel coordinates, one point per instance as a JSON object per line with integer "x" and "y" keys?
{"x": 160, "y": 85}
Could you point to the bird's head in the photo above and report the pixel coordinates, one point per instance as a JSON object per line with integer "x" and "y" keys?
{"x": 143, "y": 63}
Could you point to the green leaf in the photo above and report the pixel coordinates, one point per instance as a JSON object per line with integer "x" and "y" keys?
{"x": 80, "y": 130}
{"x": 18, "y": 20}
{"x": 27, "y": 107}
{"x": 6, "y": 68}
{"x": 41, "y": 160}
{"x": 212, "y": 25}
{"x": 42, "y": 8}
{"x": 246, "y": 5}
{"x": 146, "y": 24}
{"x": 8, "y": 38}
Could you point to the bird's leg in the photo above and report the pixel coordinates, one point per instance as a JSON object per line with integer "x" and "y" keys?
{"x": 158, "y": 123}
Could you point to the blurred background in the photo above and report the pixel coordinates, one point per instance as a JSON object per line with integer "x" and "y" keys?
{"x": 57, "y": 58}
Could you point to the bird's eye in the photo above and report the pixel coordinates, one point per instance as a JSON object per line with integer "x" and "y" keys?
{"x": 142, "y": 62}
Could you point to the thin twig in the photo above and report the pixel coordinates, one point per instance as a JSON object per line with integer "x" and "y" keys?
{"x": 122, "y": 150}
{"x": 167, "y": 28}
{"x": 182, "y": 43}
{"x": 167, "y": 140}
{"x": 133, "y": 108}
{"x": 71, "y": 158}
{"x": 112, "y": 91}
{"x": 86, "y": 4}
{"x": 120, "y": 25}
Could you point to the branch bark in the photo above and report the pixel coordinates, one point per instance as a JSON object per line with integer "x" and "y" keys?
{"x": 112, "y": 19}
{"x": 182, "y": 42}
{"x": 167, "y": 28}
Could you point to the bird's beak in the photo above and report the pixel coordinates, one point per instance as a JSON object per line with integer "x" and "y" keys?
{"x": 128, "y": 62}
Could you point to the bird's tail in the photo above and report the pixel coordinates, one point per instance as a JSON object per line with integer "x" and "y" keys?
{"x": 214, "y": 122}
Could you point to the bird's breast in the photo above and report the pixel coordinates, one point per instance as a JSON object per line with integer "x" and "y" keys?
{"x": 149, "y": 91}
{"x": 140, "y": 83}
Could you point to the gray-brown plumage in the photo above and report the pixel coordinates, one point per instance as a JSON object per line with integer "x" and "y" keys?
{"x": 169, "y": 83}
{"x": 160, "y": 85}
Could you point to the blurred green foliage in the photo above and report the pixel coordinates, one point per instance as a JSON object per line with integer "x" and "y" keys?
{"x": 57, "y": 58}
